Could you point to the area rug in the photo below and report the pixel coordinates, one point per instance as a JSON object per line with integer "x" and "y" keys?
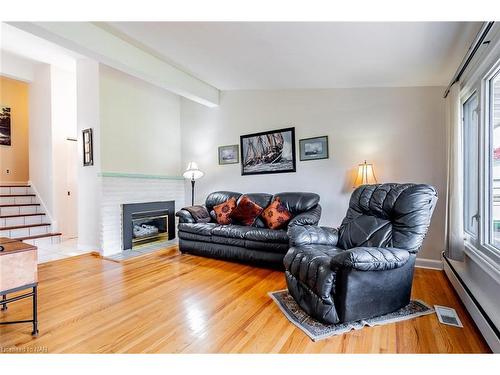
{"x": 319, "y": 331}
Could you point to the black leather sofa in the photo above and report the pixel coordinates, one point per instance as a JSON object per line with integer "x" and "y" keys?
{"x": 254, "y": 244}
{"x": 365, "y": 267}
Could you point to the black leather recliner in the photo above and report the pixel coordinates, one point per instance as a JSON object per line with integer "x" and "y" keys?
{"x": 365, "y": 267}
{"x": 254, "y": 244}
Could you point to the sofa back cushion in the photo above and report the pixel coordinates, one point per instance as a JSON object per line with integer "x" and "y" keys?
{"x": 388, "y": 215}
{"x": 297, "y": 202}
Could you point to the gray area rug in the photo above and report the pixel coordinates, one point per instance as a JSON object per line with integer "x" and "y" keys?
{"x": 319, "y": 331}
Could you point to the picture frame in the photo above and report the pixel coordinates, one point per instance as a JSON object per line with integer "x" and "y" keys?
{"x": 5, "y": 126}
{"x": 315, "y": 148}
{"x": 268, "y": 152}
{"x": 229, "y": 154}
{"x": 88, "y": 147}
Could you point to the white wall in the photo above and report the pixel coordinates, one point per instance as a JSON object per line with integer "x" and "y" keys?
{"x": 89, "y": 184}
{"x": 140, "y": 126}
{"x": 400, "y": 130}
{"x": 40, "y": 136}
{"x": 52, "y": 119}
{"x": 63, "y": 97}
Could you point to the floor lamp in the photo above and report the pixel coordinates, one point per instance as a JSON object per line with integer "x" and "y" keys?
{"x": 193, "y": 173}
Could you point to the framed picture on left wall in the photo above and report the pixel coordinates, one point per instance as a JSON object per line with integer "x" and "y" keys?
{"x": 88, "y": 148}
{"x": 5, "y": 137}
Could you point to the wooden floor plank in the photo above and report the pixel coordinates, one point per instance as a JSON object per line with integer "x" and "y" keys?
{"x": 174, "y": 303}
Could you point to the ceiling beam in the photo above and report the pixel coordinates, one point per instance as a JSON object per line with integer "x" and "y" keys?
{"x": 94, "y": 42}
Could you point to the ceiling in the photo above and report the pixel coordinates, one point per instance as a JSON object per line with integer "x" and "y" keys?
{"x": 289, "y": 55}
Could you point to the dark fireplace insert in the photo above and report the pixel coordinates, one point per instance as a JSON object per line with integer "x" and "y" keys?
{"x": 147, "y": 222}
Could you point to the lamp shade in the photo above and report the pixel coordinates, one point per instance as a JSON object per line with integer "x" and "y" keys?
{"x": 192, "y": 172}
{"x": 366, "y": 175}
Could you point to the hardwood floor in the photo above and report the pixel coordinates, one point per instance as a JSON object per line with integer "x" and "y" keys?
{"x": 173, "y": 303}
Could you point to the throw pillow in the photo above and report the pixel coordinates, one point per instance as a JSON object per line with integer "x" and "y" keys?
{"x": 224, "y": 210}
{"x": 276, "y": 216}
{"x": 246, "y": 212}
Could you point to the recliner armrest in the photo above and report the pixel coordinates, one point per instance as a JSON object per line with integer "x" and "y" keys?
{"x": 371, "y": 258}
{"x": 185, "y": 216}
{"x": 312, "y": 235}
{"x": 310, "y": 217}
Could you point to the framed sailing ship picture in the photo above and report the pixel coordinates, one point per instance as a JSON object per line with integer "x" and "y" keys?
{"x": 268, "y": 152}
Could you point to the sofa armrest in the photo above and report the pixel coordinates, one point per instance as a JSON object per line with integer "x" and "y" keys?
{"x": 185, "y": 216}
{"x": 312, "y": 235}
{"x": 371, "y": 258}
{"x": 310, "y": 217}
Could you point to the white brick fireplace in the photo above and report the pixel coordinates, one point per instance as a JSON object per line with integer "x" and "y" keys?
{"x": 122, "y": 190}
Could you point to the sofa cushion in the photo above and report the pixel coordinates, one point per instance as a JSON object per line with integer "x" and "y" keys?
{"x": 297, "y": 203}
{"x": 276, "y": 216}
{"x": 246, "y": 212}
{"x": 228, "y": 241}
{"x": 273, "y": 247}
{"x": 194, "y": 237}
{"x": 224, "y": 210}
{"x": 231, "y": 231}
{"x": 259, "y": 223}
{"x": 267, "y": 235}
{"x": 204, "y": 229}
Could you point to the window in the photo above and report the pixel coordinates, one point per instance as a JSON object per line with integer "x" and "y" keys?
{"x": 471, "y": 160}
{"x": 481, "y": 161}
{"x": 494, "y": 162}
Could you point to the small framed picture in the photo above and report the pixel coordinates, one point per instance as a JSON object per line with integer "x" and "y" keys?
{"x": 88, "y": 149}
{"x": 229, "y": 154}
{"x": 314, "y": 148}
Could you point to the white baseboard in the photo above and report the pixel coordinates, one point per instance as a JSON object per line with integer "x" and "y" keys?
{"x": 429, "y": 263}
{"x": 484, "y": 327}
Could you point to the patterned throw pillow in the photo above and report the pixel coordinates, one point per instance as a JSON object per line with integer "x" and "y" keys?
{"x": 276, "y": 216}
{"x": 224, "y": 210}
{"x": 246, "y": 212}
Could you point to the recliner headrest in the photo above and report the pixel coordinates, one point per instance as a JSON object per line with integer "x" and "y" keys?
{"x": 391, "y": 214}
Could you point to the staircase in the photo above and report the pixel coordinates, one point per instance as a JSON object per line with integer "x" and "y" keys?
{"x": 22, "y": 217}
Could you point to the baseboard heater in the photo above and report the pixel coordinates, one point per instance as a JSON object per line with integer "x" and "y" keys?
{"x": 483, "y": 322}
